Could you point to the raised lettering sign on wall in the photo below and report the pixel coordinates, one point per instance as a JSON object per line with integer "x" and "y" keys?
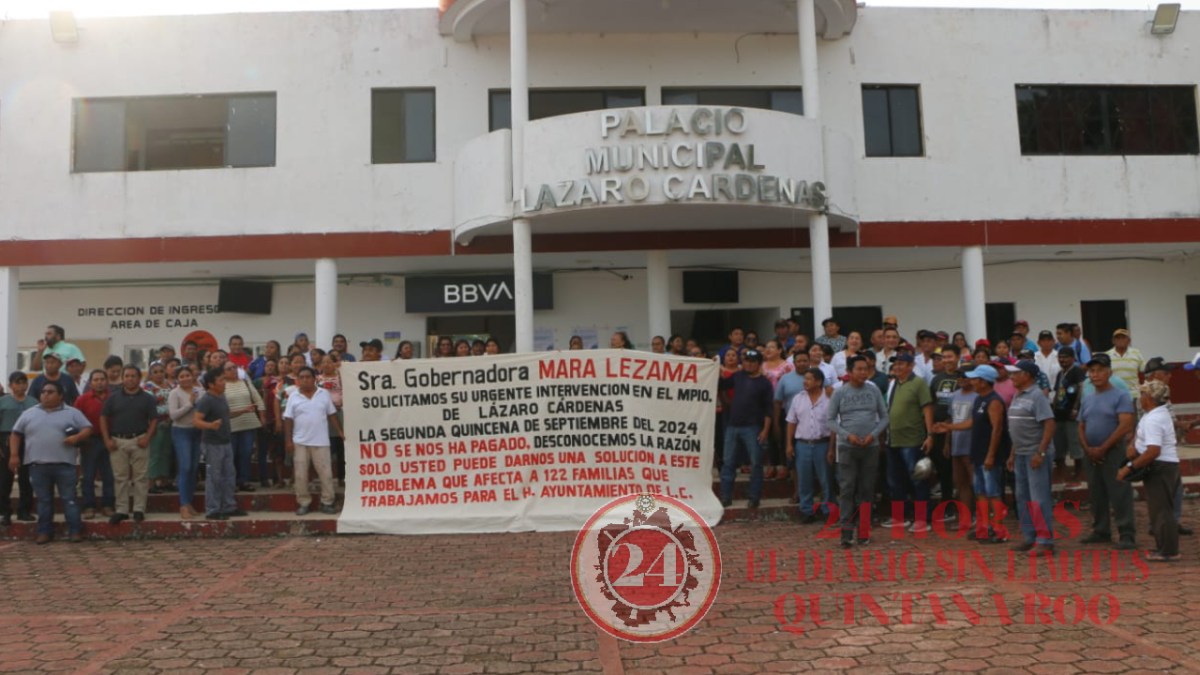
{"x": 485, "y": 292}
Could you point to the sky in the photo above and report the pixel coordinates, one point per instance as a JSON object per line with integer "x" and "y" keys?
{"x": 29, "y": 9}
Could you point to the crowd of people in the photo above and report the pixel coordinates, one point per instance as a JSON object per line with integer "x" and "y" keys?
{"x": 933, "y": 428}
{"x": 902, "y": 433}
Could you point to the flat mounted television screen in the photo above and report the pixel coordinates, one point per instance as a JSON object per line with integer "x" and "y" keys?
{"x": 244, "y": 297}
{"x": 708, "y": 286}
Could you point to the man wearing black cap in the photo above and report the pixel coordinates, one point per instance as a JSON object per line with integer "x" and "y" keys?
{"x": 372, "y": 350}
{"x": 924, "y": 358}
{"x": 1065, "y": 400}
{"x": 1045, "y": 357}
{"x": 749, "y": 398}
{"x": 52, "y": 363}
{"x": 1031, "y": 428}
{"x": 1105, "y": 419}
{"x": 831, "y": 337}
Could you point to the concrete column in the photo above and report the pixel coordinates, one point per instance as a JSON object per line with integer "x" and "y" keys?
{"x": 822, "y": 274}
{"x": 974, "y": 299}
{"x": 521, "y": 234}
{"x": 9, "y": 283}
{"x": 806, "y": 12}
{"x": 326, "y": 301}
{"x": 658, "y": 294}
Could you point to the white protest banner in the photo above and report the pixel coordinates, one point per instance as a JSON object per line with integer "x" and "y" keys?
{"x": 523, "y": 442}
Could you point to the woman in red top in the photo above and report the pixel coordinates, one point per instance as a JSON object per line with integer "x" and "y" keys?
{"x": 93, "y": 456}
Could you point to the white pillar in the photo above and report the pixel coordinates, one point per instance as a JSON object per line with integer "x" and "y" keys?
{"x": 822, "y": 275}
{"x": 818, "y": 224}
{"x": 658, "y": 294}
{"x": 9, "y": 289}
{"x": 973, "y": 293}
{"x": 806, "y": 11}
{"x": 521, "y": 235}
{"x": 326, "y": 301}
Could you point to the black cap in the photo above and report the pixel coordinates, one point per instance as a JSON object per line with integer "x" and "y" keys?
{"x": 1029, "y": 367}
{"x": 1045, "y": 335}
{"x": 376, "y": 343}
{"x": 1100, "y": 360}
{"x": 752, "y": 355}
{"x": 1067, "y": 351}
{"x": 828, "y": 321}
{"x": 1156, "y": 364}
{"x": 922, "y": 334}
{"x": 905, "y": 357}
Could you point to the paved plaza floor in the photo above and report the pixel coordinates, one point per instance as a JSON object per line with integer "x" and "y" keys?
{"x": 503, "y": 604}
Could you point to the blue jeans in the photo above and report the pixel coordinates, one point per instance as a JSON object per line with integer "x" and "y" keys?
{"x": 93, "y": 459}
{"x": 746, "y": 437}
{"x": 46, "y": 478}
{"x": 989, "y": 484}
{"x": 1033, "y": 490}
{"x": 243, "y": 453}
{"x": 901, "y": 462}
{"x": 811, "y": 468}
{"x": 186, "y": 442}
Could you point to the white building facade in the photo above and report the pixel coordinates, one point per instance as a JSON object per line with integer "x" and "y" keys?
{"x": 955, "y": 168}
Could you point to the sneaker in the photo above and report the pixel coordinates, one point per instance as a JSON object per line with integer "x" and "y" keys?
{"x": 1160, "y": 557}
{"x": 236, "y": 513}
{"x": 302, "y": 511}
{"x": 107, "y": 511}
{"x": 847, "y": 543}
{"x": 1023, "y": 546}
{"x": 1043, "y": 548}
{"x": 1095, "y": 538}
{"x": 76, "y": 538}
{"x": 727, "y": 503}
{"x": 116, "y": 518}
{"x": 1185, "y": 531}
{"x": 216, "y": 516}
{"x": 752, "y": 504}
{"x": 89, "y": 514}
{"x": 25, "y": 517}
{"x": 42, "y": 539}
{"x": 328, "y": 508}
{"x": 919, "y": 528}
{"x": 949, "y": 516}
{"x": 997, "y": 539}
{"x": 138, "y": 516}
{"x": 1125, "y": 546}
{"x": 863, "y": 541}
{"x": 896, "y": 523}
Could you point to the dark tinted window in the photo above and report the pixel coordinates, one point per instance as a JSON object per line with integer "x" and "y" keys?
{"x": 1193, "y": 319}
{"x": 781, "y": 99}
{"x": 1107, "y": 120}
{"x": 403, "y": 127}
{"x": 892, "y": 121}
{"x": 174, "y": 132}
{"x": 550, "y": 102}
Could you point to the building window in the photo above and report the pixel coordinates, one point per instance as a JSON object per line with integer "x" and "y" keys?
{"x": 892, "y": 121}
{"x": 1000, "y": 318}
{"x": 1192, "y": 307}
{"x": 1107, "y": 120}
{"x": 781, "y": 99}
{"x": 1100, "y": 319}
{"x": 174, "y": 132}
{"x": 402, "y": 126}
{"x": 550, "y": 102}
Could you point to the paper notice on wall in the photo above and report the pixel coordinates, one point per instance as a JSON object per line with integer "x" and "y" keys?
{"x": 525, "y": 441}
{"x": 543, "y": 339}
{"x": 589, "y": 335}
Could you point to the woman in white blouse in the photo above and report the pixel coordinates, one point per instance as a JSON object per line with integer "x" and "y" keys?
{"x": 1154, "y": 448}
{"x": 185, "y": 438}
{"x": 854, "y": 344}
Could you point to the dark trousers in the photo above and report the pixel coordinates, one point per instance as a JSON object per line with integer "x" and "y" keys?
{"x": 1160, "y": 497}
{"x": 24, "y": 486}
{"x": 337, "y": 457}
{"x": 945, "y": 470}
{"x": 856, "y": 471}
{"x": 1105, "y": 492}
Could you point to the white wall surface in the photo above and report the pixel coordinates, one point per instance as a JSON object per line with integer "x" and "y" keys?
{"x": 1045, "y": 294}
{"x": 323, "y": 65}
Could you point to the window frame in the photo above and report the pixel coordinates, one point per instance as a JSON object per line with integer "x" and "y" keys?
{"x": 769, "y": 90}
{"x": 1107, "y": 101}
{"x": 920, "y": 116}
{"x": 432, "y": 132}
{"x": 605, "y": 91}
{"x": 78, "y": 103}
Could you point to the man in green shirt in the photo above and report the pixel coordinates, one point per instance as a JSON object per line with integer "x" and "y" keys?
{"x": 910, "y": 423}
{"x": 55, "y": 342}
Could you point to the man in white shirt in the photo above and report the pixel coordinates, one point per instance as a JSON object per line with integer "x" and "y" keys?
{"x": 925, "y": 358}
{"x": 307, "y": 421}
{"x": 1046, "y": 356}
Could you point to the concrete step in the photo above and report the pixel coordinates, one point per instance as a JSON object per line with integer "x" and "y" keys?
{"x": 278, "y": 499}
{"x": 167, "y": 526}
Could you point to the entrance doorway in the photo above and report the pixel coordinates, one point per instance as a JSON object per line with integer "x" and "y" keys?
{"x": 502, "y": 327}
{"x": 710, "y": 327}
{"x": 1100, "y": 319}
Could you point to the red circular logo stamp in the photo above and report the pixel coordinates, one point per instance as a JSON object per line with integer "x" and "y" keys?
{"x": 646, "y": 568}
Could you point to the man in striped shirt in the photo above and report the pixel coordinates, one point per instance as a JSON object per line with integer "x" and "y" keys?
{"x": 1127, "y": 362}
